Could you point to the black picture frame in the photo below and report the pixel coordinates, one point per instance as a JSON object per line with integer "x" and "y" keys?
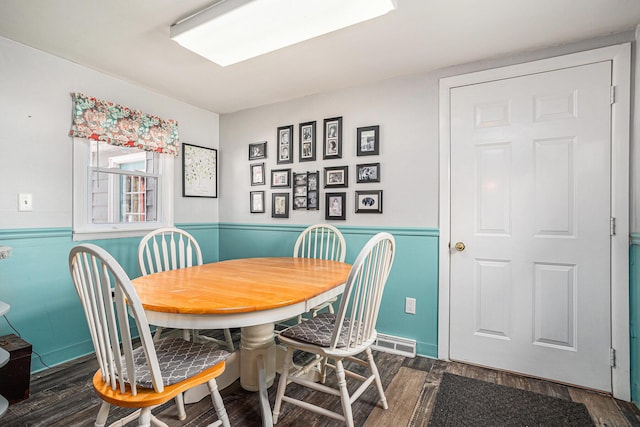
{"x": 199, "y": 171}
{"x": 332, "y": 145}
{"x": 368, "y": 172}
{"x": 313, "y": 193}
{"x": 369, "y": 201}
{"x": 256, "y": 201}
{"x": 368, "y": 141}
{"x": 258, "y": 150}
{"x": 336, "y": 177}
{"x": 285, "y": 144}
{"x": 307, "y": 142}
{"x": 336, "y": 206}
{"x": 280, "y": 205}
{"x": 281, "y": 178}
{"x": 256, "y": 172}
{"x": 300, "y": 190}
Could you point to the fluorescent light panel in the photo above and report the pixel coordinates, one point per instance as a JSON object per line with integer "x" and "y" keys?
{"x": 235, "y": 30}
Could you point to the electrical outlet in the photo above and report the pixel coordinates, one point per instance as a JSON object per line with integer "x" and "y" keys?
{"x": 25, "y": 202}
{"x": 410, "y": 305}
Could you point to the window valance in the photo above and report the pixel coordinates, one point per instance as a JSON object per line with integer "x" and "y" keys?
{"x": 118, "y": 125}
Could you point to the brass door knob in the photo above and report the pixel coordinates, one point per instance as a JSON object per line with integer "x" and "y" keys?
{"x": 460, "y": 246}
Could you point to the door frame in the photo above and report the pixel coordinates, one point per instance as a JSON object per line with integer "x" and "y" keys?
{"x": 620, "y": 55}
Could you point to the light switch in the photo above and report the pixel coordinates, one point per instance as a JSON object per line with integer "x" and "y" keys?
{"x": 25, "y": 202}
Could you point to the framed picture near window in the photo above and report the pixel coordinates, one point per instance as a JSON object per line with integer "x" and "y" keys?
{"x": 337, "y": 177}
{"x": 256, "y": 201}
{"x": 285, "y": 144}
{"x": 257, "y": 174}
{"x": 281, "y": 178}
{"x": 369, "y": 201}
{"x": 199, "y": 171}
{"x": 335, "y": 206}
{"x": 369, "y": 172}
{"x": 368, "y": 141}
{"x": 280, "y": 205}
{"x": 258, "y": 150}
{"x": 307, "y": 141}
{"x": 332, "y": 146}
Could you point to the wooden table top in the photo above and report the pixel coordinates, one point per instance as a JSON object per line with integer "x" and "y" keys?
{"x": 240, "y": 285}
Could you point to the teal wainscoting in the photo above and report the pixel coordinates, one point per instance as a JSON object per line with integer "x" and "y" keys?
{"x": 35, "y": 281}
{"x": 634, "y": 320}
{"x": 414, "y": 273}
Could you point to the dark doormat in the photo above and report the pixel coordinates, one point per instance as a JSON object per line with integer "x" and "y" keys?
{"x": 463, "y": 401}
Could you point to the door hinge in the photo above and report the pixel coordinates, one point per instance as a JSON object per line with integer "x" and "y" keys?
{"x": 612, "y": 226}
{"x": 612, "y": 357}
{"x": 612, "y": 98}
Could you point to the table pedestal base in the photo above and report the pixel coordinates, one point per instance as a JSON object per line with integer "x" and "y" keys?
{"x": 257, "y": 341}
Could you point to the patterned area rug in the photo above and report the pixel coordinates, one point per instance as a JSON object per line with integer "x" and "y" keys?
{"x": 462, "y": 401}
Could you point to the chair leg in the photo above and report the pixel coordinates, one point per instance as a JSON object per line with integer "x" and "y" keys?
{"x": 156, "y": 336}
{"x": 376, "y": 374}
{"x": 186, "y": 335}
{"x": 227, "y": 337}
{"x": 282, "y": 384}
{"x": 217, "y": 403}
{"x": 344, "y": 393}
{"x": 182, "y": 414}
{"x": 103, "y": 414}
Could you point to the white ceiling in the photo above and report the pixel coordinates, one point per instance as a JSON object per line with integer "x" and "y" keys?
{"x": 130, "y": 40}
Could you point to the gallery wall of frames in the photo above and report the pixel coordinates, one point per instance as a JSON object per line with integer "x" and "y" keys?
{"x": 293, "y": 188}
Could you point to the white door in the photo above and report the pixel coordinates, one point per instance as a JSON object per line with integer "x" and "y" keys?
{"x": 530, "y": 201}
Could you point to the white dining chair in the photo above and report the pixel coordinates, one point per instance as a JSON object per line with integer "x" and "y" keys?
{"x": 322, "y": 241}
{"x": 342, "y": 336}
{"x": 153, "y": 372}
{"x": 171, "y": 248}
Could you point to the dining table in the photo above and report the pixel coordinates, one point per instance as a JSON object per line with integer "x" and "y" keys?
{"x": 252, "y": 294}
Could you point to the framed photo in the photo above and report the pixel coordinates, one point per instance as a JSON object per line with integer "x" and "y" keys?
{"x": 285, "y": 144}
{"x": 312, "y": 190}
{"x": 337, "y": 177}
{"x": 300, "y": 184}
{"x": 258, "y": 150}
{"x": 368, "y": 141}
{"x": 369, "y": 201}
{"x": 312, "y": 200}
{"x": 281, "y": 178}
{"x": 332, "y": 147}
{"x": 257, "y": 174}
{"x": 280, "y": 205}
{"x": 369, "y": 172}
{"x": 199, "y": 171}
{"x": 256, "y": 201}
{"x": 307, "y": 138}
{"x": 336, "y": 206}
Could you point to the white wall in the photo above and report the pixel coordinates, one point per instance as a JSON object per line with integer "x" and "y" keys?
{"x": 408, "y": 157}
{"x": 35, "y": 151}
{"x": 406, "y": 108}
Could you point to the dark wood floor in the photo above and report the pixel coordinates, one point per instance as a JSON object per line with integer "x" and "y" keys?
{"x": 63, "y": 396}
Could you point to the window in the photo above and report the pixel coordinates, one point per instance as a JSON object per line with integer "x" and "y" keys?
{"x": 120, "y": 191}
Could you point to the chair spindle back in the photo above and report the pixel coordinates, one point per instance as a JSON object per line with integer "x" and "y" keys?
{"x": 168, "y": 249}
{"x": 108, "y": 298}
{"x": 360, "y": 303}
{"x": 322, "y": 241}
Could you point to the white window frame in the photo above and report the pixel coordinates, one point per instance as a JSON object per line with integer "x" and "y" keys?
{"x": 84, "y": 229}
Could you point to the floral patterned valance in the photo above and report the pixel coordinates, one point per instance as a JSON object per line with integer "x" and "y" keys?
{"x": 118, "y": 125}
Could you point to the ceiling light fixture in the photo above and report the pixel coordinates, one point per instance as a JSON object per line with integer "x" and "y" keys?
{"x": 231, "y": 31}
